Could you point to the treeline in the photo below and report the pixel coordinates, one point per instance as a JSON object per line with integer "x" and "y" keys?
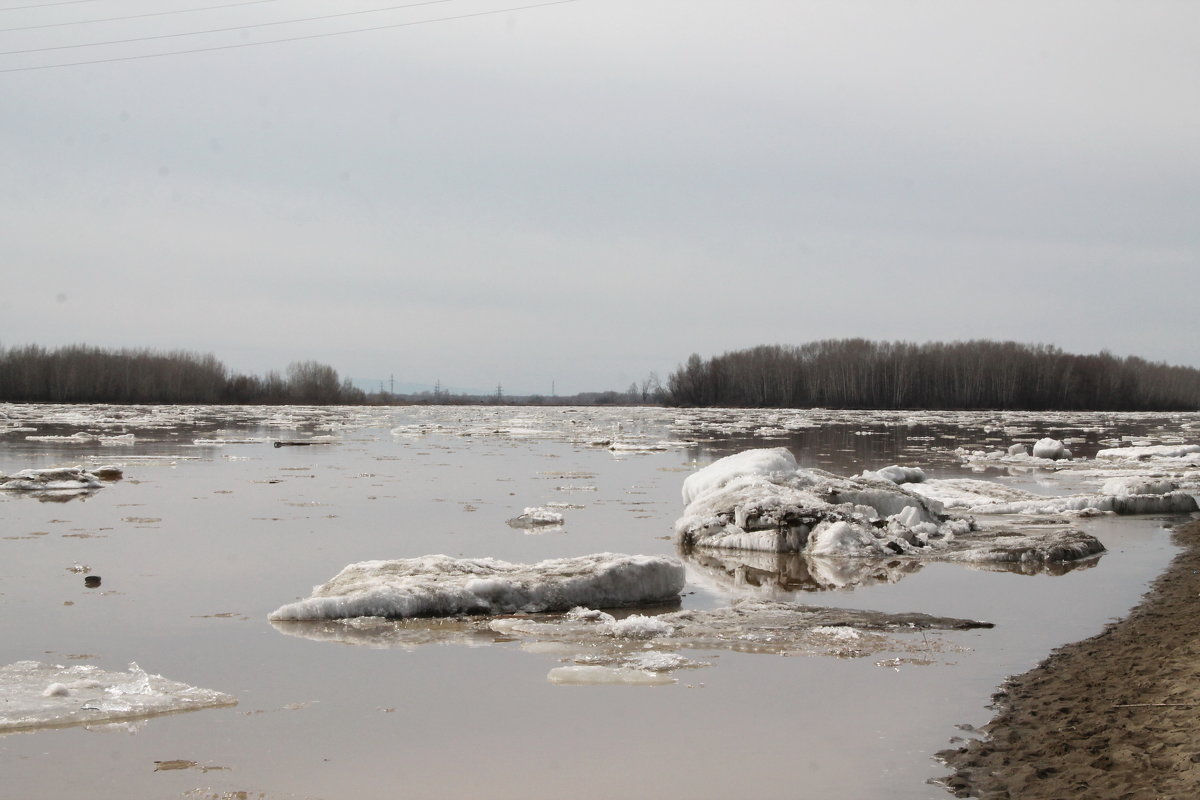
{"x": 84, "y": 374}
{"x": 856, "y": 373}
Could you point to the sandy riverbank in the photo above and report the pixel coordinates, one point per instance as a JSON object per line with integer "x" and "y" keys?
{"x": 1113, "y": 716}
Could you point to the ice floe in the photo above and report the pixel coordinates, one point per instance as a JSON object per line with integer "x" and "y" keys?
{"x": 596, "y": 675}
{"x": 36, "y": 695}
{"x": 1141, "y": 453}
{"x": 439, "y": 585}
{"x": 537, "y": 517}
{"x": 760, "y": 500}
{"x": 1051, "y": 449}
{"x": 598, "y": 648}
{"x": 1120, "y": 495}
{"x": 896, "y": 474}
{"x": 59, "y": 479}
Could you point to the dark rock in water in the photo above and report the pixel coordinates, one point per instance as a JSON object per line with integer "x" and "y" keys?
{"x": 91, "y": 581}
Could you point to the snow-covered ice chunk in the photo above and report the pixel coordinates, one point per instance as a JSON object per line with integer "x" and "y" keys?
{"x": 80, "y": 437}
{"x": 1052, "y": 449}
{"x": 820, "y": 514}
{"x": 56, "y": 479}
{"x": 1123, "y": 487}
{"x": 35, "y": 695}
{"x": 1031, "y": 549}
{"x": 439, "y": 585}
{"x": 840, "y": 632}
{"x": 639, "y": 626}
{"x": 760, "y": 500}
{"x": 766, "y": 462}
{"x": 535, "y": 517}
{"x": 897, "y": 474}
{"x": 635, "y": 446}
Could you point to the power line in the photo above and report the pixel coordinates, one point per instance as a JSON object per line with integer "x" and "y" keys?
{"x": 135, "y": 16}
{"x": 47, "y": 5}
{"x": 291, "y": 39}
{"x": 222, "y": 30}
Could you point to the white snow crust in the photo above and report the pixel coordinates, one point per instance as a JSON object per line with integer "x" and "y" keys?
{"x": 35, "y": 695}
{"x": 438, "y": 585}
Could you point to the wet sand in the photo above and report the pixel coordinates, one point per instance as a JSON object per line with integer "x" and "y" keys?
{"x": 1113, "y": 716}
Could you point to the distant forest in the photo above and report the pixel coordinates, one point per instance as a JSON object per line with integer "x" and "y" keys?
{"x": 856, "y": 373}
{"x": 83, "y": 374}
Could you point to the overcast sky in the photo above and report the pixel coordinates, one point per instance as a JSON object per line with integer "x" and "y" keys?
{"x": 586, "y": 192}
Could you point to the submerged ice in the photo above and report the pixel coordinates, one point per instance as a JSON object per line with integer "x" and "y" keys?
{"x": 439, "y": 585}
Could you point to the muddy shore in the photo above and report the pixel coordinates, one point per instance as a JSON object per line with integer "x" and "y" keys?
{"x": 1116, "y": 716}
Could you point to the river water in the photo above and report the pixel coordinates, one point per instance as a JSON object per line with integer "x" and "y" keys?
{"x": 212, "y": 527}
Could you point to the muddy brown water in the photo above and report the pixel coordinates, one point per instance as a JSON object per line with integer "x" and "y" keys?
{"x": 198, "y": 543}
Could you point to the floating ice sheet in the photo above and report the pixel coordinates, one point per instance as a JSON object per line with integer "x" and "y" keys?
{"x": 600, "y": 648}
{"x": 439, "y": 585}
{"x": 537, "y": 517}
{"x": 1121, "y": 495}
{"x": 58, "y": 480}
{"x": 35, "y": 695}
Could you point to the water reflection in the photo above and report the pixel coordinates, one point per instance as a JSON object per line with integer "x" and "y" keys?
{"x": 54, "y": 495}
{"x": 385, "y": 634}
{"x": 750, "y": 571}
{"x": 769, "y": 574}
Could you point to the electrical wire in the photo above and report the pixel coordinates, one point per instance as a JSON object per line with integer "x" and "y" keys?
{"x": 47, "y": 5}
{"x": 135, "y": 16}
{"x": 291, "y": 39}
{"x": 222, "y": 30}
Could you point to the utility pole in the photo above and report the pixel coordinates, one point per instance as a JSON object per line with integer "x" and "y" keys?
{"x": 499, "y": 393}
{"x": 437, "y": 388}
{"x": 393, "y": 384}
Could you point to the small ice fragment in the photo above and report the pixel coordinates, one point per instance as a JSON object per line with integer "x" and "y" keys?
{"x": 839, "y": 632}
{"x": 639, "y": 626}
{"x": 536, "y": 517}
{"x": 594, "y": 676}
